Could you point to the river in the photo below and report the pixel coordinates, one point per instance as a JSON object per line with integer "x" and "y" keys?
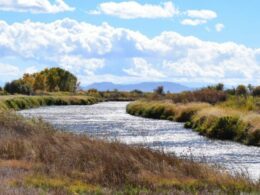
{"x": 110, "y": 121}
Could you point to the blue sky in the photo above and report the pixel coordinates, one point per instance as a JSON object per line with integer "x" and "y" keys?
{"x": 194, "y": 42}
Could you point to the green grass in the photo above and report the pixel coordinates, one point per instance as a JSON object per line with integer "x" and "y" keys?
{"x": 216, "y": 122}
{"x": 249, "y": 103}
{"x": 25, "y": 102}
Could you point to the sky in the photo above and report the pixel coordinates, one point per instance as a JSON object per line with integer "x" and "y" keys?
{"x": 192, "y": 42}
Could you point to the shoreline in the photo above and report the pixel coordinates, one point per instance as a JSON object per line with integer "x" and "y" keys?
{"x": 213, "y": 122}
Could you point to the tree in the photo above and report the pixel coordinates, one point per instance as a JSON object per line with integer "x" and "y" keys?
{"x": 256, "y": 91}
{"x": 18, "y": 86}
{"x": 231, "y": 91}
{"x": 241, "y": 90}
{"x": 137, "y": 91}
{"x": 159, "y": 90}
{"x": 54, "y": 79}
{"x": 39, "y": 82}
{"x": 220, "y": 87}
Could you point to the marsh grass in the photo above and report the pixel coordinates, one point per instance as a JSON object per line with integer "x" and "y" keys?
{"x": 63, "y": 163}
{"x": 213, "y": 121}
{"x": 25, "y": 102}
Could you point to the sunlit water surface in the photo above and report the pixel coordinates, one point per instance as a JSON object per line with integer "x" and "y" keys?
{"x": 109, "y": 120}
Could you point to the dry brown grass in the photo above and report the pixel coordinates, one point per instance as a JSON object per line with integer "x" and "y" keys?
{"x": 66, "y": 163}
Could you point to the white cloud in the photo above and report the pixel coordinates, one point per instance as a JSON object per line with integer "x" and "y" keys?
{"x": 81, "y": 65}
{"x": 8, "y": 70}
{"x": 133, "y": 9}
{"x": 103, "y": 53}
{"x": 202, "y": 14}
{"x": 219, "y": 27}
{"x": 193, "y": 22}
{"x": 142, "y": 68}
{"x": 35, "y": 6}
{"x": 31, "y": 70}
{"x": 198, "y": 17}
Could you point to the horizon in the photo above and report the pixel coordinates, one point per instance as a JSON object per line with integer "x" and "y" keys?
{"x": 126, "y": 42}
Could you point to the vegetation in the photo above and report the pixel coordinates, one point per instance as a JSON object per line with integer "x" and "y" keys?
{"x": 26, "y": 102}
{"x": 50, "y": 80}
{"x": 256, "y": 91}
{"x": 37, "y": 159}
{"x": 213, "y": 121}
{"x": 211, "y": 96}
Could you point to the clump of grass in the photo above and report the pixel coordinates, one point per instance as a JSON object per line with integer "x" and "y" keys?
{"x": 66, "y": 163}
{"x": 65, "y": 185}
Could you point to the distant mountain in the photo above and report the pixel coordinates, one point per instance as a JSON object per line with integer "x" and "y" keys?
{"x": 145, "y": 87}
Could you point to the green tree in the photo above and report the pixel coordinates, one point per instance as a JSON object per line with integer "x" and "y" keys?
{"x": 241, "y": 90}
{"x": 159, "y": 90}
{"x": 256, "y": 91}
{"x": 18, "y": 86}
{"x": 220, "y": 87}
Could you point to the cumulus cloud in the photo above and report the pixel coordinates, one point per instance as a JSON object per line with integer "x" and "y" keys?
{"x": 133, "y": 10}
{"x": 142, "y": 68}
{"x": 193, "y": 22}
{"x": 35, "y": 6}
{"x": 100, "y": 53}
{"x": 202, "y": 14}
{"x": 219, "y": 27}
{"x": 198, "y": 17}
{"x": 8, "y": 70}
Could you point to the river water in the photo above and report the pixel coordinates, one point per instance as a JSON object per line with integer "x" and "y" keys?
{"x": 110, "y": 121}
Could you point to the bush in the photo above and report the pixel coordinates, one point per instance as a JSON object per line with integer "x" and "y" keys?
{"x": 228, "y": 128}
{"x": 211, "y": 96}
{"x": 241, "y": 90}
{"x": 256, "y": 91}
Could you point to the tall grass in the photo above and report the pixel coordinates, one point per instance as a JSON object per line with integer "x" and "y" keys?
{"x": 212, "y": 121}
{"x": 64, "y": 163}
{"x": 26, "y": 102}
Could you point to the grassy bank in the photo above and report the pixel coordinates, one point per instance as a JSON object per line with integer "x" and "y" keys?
{"x": 37, "y": 159}
{"x": 213, "y": 121}
{"x": 26, "y": 102}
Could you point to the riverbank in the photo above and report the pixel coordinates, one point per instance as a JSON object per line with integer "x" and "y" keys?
{"x": 36, "y": 158}
{"x": 20, "y": 102}
{"x": 212, "y": 121}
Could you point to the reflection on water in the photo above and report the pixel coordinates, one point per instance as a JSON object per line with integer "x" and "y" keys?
{"x": 109, "y": 120}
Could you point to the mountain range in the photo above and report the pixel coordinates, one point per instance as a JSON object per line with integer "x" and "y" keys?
{"x": 145, "y": 86}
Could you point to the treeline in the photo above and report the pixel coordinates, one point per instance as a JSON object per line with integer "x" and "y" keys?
{"x": 48, "y": 80}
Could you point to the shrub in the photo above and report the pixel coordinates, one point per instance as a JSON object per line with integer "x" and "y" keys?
{"x": 256, "y": 91}
{"x": 211, "y": 96}
{"x": 228, "y": 128}
{"x": 241, "y": 90}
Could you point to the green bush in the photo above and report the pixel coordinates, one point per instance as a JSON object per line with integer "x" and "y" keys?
{"x": 228, "y": 128}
